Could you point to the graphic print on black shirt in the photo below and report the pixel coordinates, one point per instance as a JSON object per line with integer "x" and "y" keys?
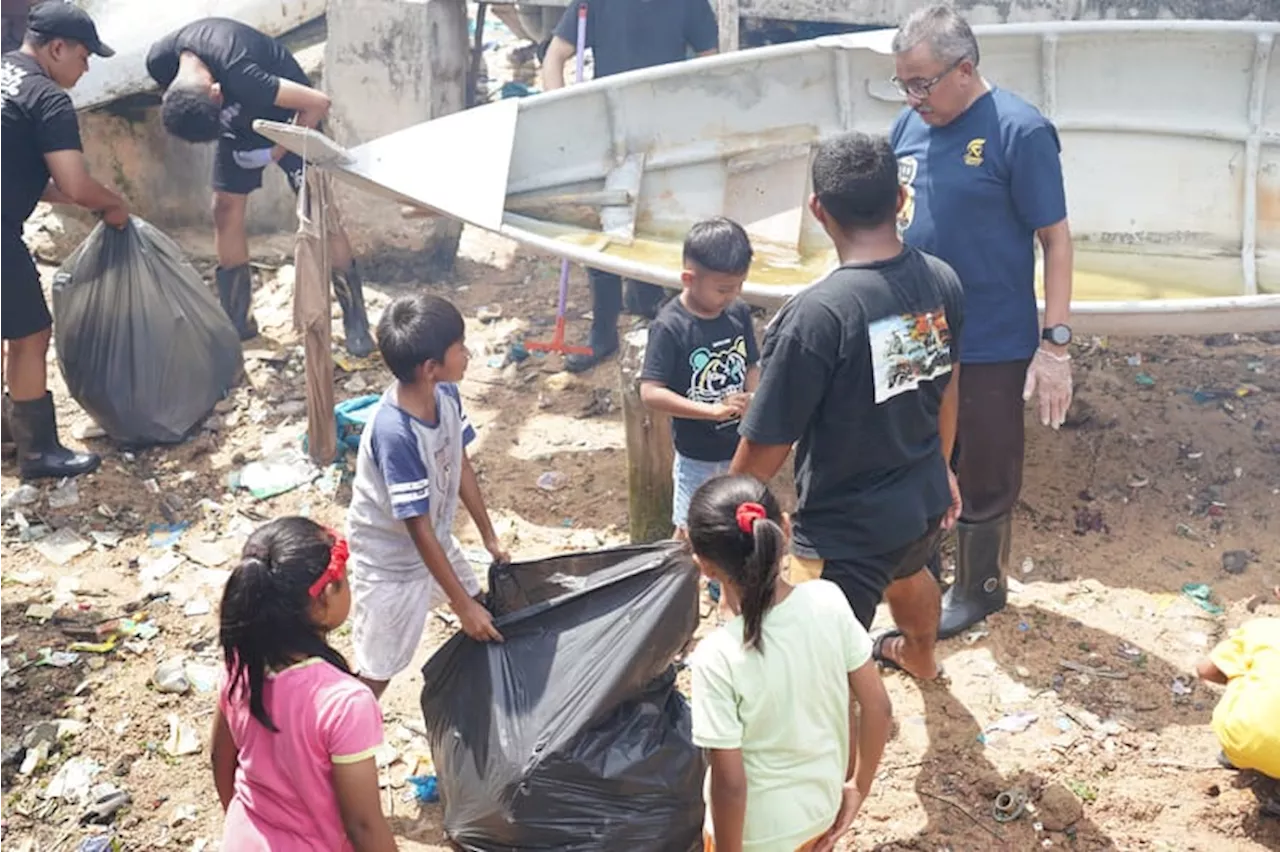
{"x": 704, "y": 360}
{"x": 248, "y": 65}
{"x": 37, "y": 119}
{"x": 907, "y": 349}
{"x": 854, "y": 369}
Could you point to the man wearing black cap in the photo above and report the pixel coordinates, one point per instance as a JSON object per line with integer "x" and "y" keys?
{"x": 219, "y": 75}
{"x": 42, "y": 159}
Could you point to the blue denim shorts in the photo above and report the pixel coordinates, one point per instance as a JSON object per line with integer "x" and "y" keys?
{"x": 687, "y": 476}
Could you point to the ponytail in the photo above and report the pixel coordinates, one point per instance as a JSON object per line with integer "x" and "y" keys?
{"x": 760, "y": 579}
{"x": 735, "y": 523}
{"x": 264, "y": 620}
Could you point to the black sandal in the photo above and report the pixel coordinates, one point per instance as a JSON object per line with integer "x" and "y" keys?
{"x": 877, "y": 651}
{"x": 887, "y": 663}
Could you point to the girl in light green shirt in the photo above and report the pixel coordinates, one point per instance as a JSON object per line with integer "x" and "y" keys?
{"x": 775, "y": 688}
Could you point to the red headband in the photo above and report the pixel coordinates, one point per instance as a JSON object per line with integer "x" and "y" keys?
{"x": 337, "y": 569}
{"x": 748, "y": 514}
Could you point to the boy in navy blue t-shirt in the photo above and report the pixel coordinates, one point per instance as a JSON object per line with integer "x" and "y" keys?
{"x": 701, "y": 364}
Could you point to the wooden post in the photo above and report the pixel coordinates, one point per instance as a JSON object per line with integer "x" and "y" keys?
{"x": 650, "y": 452}
{"x": 312, "y": 311}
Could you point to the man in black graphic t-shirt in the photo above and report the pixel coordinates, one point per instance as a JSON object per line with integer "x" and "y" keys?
{"x": 860, "y": 369}
{"x": 42, "y": 159}
{"x": 220, "y": 75}
{"x": 700, "y": 363}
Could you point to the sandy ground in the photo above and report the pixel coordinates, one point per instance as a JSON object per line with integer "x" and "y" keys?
{"x": 1167, "y": 473}
{"x": 1169, "y": 463}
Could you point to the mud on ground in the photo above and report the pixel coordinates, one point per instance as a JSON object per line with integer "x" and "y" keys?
{"x": 1166, "y": 474}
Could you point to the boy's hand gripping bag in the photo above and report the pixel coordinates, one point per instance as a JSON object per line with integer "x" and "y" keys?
{"x": 143, "y": 344}
{"x": 570, "y": 735}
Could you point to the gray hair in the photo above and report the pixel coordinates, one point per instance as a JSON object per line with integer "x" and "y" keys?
{"x": 941, "y": 27}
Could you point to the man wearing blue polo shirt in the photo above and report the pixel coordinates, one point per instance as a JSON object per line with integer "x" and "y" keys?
{"x": 984, "y": 183}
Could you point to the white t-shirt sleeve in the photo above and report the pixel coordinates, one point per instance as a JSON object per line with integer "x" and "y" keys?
{"x": 716, "y": 723}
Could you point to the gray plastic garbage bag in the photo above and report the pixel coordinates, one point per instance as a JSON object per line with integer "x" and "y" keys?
{"x": 570, "y": 735}
{"x": 143, "y": 344}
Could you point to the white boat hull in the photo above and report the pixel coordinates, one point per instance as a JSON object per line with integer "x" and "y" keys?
{"x": 1171, "y": 154}
{"x": 132, "y": 26}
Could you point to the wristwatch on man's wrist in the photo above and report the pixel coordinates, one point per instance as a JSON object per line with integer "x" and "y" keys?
{"x": 1058, "y": 335}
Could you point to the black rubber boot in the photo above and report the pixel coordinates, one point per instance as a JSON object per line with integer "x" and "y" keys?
{"x": 235, "y": 291}
{"x": 982, "y": 555}
{"x": 606, "y": 305}
{"x": 355, "y": 321}
{"x": 40, "y": 455}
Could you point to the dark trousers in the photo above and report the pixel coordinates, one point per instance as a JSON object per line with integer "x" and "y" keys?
{"x": 606, "y": 305}
{"x": 990, "y": 439}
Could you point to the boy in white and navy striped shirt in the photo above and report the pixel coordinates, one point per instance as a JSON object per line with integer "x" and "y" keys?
{"x": 411, "y": 470}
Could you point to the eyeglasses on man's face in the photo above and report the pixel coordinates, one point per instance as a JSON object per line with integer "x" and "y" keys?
{"x": 920, "y": 87}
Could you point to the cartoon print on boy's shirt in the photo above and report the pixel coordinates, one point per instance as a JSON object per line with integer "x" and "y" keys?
{"x": 719, "y": 370}
{"x": 444, "y": 473}
{"x": 907, "y": 349}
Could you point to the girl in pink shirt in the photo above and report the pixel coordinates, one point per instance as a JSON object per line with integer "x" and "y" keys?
{"x": 295, "y": 731}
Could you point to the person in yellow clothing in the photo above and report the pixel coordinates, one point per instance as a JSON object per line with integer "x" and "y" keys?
{"x": 1245, "y": 720}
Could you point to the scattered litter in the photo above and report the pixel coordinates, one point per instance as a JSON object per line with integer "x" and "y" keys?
{"x": 183, "y": 739}
{"x": 103, "y": 811}
{"x": 24, "y": 495}
{"x": 1138, "y": 481}
{"x": 40, "y": 612}
{"x": 206, "y": 554}
{"x": 99, "y": 843}
{"x": 1063, "y": 723}
{"x": 1014, "y": 723}
{"x": 558, "y": 382}
{"x": 1028, "y": 565}
{"x": 26, "y": 578}
{"x": 183, "y": 814}
{"x": 161, "y": 566}
{"x": 73, "y": 779}
{"x": 196, "y": 606}
{"x": 1130, "y": 652}
{"x": 107, "y": 539}
{"x": 553, "y": 480}
{"x": 1133, "y": 360}
{"x": 424, "y": 788}
{"x": 171, "y": 677}
{"x": 57, "y": 659}
{"x": 1144, "y": 380}
{"x": 1202, "y": 595}
{"x": 1180, "y": 687}
{"x": 65, "y": 495}
{"x": 62, "y": 546}
{"x": 1235, "y": 561}
{"x": 489, "y": 313}
{"x": 34, "y": 758}
{"x": 162, "y": 536}
{"x": 277, "y": 474}
{"x": 203, "y": 678}
{"x": 1093, "y": 670}
{"x": 151, "y": 485}
{"x": 1009, "y": 805}
{"x": 385, "y": 755}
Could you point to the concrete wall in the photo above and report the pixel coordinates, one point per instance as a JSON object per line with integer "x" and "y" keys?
{"x": 391, "y": 64}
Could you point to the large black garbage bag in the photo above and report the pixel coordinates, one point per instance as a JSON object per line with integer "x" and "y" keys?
{"x": 143, "y": 344}
{"x": 571, "y": 735}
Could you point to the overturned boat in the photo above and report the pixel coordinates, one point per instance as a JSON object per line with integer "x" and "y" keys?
{"x": 1171, "y": 151}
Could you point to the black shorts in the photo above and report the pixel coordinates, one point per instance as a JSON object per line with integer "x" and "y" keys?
{"x": 25, "y": 310}
{"x": 231, "y": 177}
{"x": 863, "y": 579}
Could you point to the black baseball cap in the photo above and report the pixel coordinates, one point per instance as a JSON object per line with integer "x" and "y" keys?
{"x": 59, "y": 19}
